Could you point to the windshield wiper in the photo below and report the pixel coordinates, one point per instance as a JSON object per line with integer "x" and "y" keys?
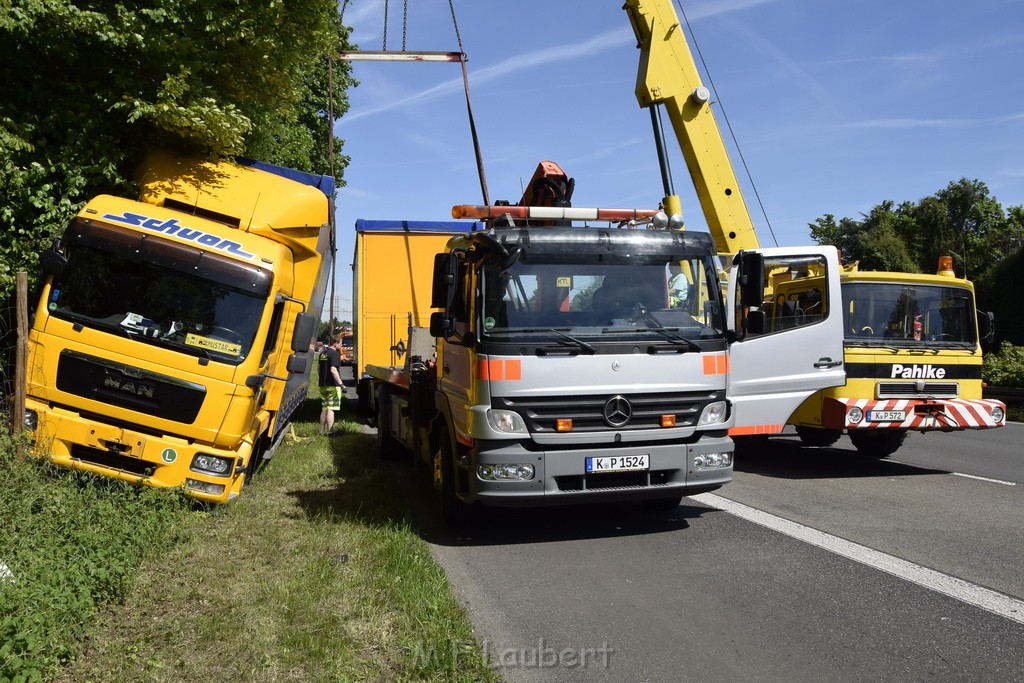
{"x": 666, "y": 332}
{"x": 669, "y": 333}
{"x": 578, "y": 342}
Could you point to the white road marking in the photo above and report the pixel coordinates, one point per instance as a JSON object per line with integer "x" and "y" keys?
{"x": 974, "y": 476}
{"x": 972, "y": 594}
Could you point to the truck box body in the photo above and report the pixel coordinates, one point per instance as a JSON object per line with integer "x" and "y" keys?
{"x": 164, "y": 351}
{"x": 391, "y": 285}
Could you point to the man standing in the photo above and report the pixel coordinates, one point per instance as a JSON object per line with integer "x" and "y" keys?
{"x": 331, "y": 387}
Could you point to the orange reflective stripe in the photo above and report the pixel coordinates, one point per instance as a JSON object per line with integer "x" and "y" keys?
{"x": 716, "y": 364}
{"x": 750, "y": 430}
{"x": 513, "y": 370}
{"x": 500, "y": 369}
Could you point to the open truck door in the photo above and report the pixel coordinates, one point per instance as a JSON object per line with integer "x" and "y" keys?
{"x": 785, "y": 310}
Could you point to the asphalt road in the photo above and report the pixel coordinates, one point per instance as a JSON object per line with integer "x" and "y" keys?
{"x": 618, "y": 594}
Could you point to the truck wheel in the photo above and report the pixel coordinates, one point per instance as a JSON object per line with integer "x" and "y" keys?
{"x": 453, "y": 510}
{"x": 255, "y": 460}
{"x": 877, "y": 443}
{"x": 387, "y": 446}
{"x": 815, "y": 436}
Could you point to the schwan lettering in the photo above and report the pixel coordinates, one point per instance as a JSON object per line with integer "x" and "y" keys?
{"x": 172, "y": 227}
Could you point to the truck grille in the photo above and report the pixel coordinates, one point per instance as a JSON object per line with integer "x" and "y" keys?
{"x": 114, "y": 461}
{"x": 124, "y": 386}
{"x": 614, "y": 480}
{"x": 917, "y": 389}
{"x": 588, "y": 413}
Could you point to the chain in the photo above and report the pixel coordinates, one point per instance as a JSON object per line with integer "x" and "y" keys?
{"x": 386, "y": 3}
{"x": 405, "y": 21}
{"x": 451, "y": 6}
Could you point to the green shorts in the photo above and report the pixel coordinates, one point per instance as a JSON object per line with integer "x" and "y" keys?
{"x": 331, "y": 397}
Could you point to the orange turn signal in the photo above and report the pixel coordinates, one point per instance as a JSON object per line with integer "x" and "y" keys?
{"x": 668, "y": 420}
{"x": 563, "y": 425}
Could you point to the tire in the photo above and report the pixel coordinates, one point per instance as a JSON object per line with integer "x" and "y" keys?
{"x": 259, "y": 449}
{"x": 453, "y": 511}
{"x": 388, "y": 447}
{"x": 877, "y": 443}
{"x": 816, "y": 436}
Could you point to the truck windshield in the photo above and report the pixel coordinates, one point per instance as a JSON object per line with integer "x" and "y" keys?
{"x": 912, "y": 316}
{"x": 656, "y": 298}
{"x": 157, "y": 303}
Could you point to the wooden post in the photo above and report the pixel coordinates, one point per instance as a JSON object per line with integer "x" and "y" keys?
{"x": 20, "y": 360}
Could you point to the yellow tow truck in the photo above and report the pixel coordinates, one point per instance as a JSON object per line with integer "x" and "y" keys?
{"x": 911, "y": 345}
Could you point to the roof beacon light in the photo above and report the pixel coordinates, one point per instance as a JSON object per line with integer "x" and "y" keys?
{"x": 551, "y": 213}
{"x": 946, "y": 266}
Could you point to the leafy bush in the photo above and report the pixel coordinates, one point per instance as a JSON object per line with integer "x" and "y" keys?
{"x": 1006, "y": 367}
{"x": 70, "y": 543}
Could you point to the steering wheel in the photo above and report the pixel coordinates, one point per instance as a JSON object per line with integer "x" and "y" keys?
{"x": 642, "y": 313}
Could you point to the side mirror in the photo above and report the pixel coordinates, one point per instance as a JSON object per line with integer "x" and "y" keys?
{"x": 441, "y": 325}
{"x": 298, "y": 363}
{"x": 53, "y": 262}
{"x": 987, "y": 327}
{"x": 751, "y": 279}
{"x": 444, "y": 279}
{"x": 754, "y": 323}
{"x": 302, "y": 333}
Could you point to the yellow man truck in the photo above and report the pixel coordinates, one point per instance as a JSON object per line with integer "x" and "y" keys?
{"x": 171, "y": 342}
{"x": 912, "y": 346}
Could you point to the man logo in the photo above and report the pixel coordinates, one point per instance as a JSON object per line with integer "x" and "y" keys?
{"x": 617, "y": 411}
{"x": 127, "y": 385}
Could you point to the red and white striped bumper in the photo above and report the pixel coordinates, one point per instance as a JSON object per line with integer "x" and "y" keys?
{"x": 918, "y": 415}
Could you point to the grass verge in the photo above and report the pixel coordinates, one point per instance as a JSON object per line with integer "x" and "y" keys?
{"x": 314, "y": 574}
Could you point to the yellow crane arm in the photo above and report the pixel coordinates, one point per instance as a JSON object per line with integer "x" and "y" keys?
{"x": 668, "y": 76}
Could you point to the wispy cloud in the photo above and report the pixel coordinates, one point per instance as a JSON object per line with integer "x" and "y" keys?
{"x": 933, "y": 123}
{"x": 561, "y": 53}
{"x": 717, "y": 7}
{"x": 365, "y": 12}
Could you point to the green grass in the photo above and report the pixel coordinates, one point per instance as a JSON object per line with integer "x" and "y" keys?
{"x": 315, "y": 573}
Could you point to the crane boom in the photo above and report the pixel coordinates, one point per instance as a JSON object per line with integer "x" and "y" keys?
{"x": 668, "y": 76}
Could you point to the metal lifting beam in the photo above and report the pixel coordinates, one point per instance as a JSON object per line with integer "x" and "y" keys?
{"x": 402, "y": 56}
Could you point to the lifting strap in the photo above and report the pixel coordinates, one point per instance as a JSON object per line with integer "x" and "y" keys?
{"x": 404, "y": 55}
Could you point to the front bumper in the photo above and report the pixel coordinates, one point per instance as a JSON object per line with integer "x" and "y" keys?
{"x": 560, "y": 476}
{"x": 69, "y": 440}
{"x": 918, "y": 414}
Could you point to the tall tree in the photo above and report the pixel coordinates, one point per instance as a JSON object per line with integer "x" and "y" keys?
{"x": 90, "y": 85}
{"x": 961, "y": 220}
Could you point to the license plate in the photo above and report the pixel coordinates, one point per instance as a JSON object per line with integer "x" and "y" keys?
{"x": 618, "y": 463}
{"x": 886, "y": 415}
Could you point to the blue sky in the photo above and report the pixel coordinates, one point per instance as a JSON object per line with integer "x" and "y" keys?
{"x": 836, "y": 106}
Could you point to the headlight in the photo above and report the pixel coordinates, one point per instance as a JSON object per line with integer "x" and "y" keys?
{"x": 709, "y": 461}
{"x": 211, "y": 464}
{"x": 713, "y": 413}
{"x": 854, "y": 415}
{"x": 204, "y": 487}
{"x": 506, "y": 421}
{"x": 32, "y": 420}
{"x": 997, "y": 414}
{"x": 505, "y": 472}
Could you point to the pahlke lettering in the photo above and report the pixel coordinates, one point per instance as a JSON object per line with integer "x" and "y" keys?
{"x": 926, "y": 371}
